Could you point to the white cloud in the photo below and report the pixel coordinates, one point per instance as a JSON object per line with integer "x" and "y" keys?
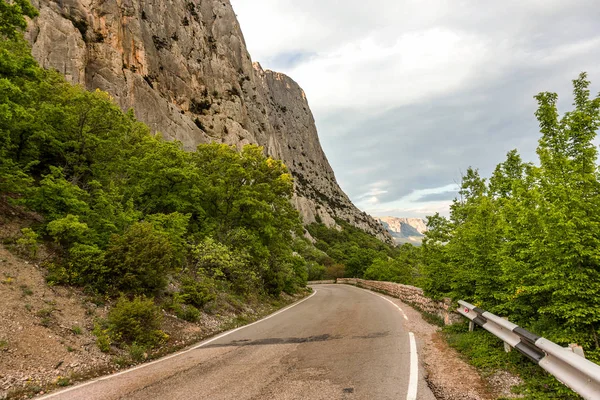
{"x": 367, "y": 74}
{"x": 406, "y": 93}
{"x": 410, "y": 205}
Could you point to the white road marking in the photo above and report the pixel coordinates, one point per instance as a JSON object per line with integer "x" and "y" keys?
{"x": 413, "y": 381}
{"x": 386, "y": 299}
{"x": 202, "y": 344}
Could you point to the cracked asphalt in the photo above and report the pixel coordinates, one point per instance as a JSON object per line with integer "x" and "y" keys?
{"x": 341, "y": 343}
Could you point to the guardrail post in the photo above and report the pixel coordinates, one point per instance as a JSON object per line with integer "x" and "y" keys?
{"x": 577, "y": 349}
{"x": 471, "y": 326}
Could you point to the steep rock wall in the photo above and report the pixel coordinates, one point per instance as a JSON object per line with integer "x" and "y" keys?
{"x": 184, "y": 68}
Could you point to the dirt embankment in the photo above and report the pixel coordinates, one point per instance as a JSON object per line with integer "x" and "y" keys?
{"x": 46, "y": 338}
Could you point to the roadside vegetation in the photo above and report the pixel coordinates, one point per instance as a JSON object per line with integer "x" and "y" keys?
{"x": 138, "y": 222}
{"x": 351, "y": 252}
{"x": 521, "y": 244}
{"x": 131, "y": 218}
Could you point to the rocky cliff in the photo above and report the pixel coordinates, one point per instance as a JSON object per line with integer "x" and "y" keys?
{"x": 404, "y": 230}
{"x": 395, "y": 224}
{"x": 184, "y": 68}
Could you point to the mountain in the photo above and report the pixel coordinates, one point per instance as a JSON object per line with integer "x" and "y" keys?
{"x": 404, "y": 230}
{"x": 184, "y": 68}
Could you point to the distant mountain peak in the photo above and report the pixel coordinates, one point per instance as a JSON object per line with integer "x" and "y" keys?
{"x": 404, "y": 230}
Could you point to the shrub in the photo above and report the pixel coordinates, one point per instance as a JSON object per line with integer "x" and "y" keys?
{"x": 67, "y": 230}
{"x": 184, "y": 311}
{"x": 196, "y": 292}
{"x": 139, "y": 260}
{"x": 135, "y": 321}
{"x": 137, "y": 352}
{"x": 219, "y": 262}
{"x": 86, "y": 266}
{"x": 316, "y": 271}
{"x": 28, "y": 243}
{"x": 102, "y": 337}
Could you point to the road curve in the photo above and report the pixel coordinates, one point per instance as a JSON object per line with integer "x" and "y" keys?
{"x": 341, "y": 343}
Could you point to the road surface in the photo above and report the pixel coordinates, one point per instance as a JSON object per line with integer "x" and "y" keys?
{"x": 341, "y": 343}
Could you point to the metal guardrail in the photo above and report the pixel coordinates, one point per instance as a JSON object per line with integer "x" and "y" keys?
{"x": 566, "y": 364}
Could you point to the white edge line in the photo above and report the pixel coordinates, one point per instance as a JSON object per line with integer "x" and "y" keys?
{"x": 413, "y": 381}
{"x": 386, "y": 299}
{"x": 201, "y": 344}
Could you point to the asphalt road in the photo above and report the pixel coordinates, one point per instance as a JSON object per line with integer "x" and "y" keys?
{"x": 341, "y": 343}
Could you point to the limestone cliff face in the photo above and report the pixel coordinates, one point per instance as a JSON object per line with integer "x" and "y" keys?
{"x": 404, "y": 230}
{"x": 395, "y": 224}
{"x": 184, "y": 68}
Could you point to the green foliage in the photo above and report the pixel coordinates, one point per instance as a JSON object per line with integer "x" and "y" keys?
{"x": 196, "y": 291}
{"x": 102, "y": 337}
{"x": 525, "y": 242}
{"x": 135, "y": 321}
{"x": 184, "y": 311}
{"x": 68, "y": 230}
{"x": 28, "y": 244}
{"x": 138, "y": 261}
{"x": 349, "y": 247}
{"x": 86, "y": 265}
{"x": 11, "y": 17}
{"x": 316, "y": 272}
{"x": 404, "y": 268}
{"x": 137, "y": 352}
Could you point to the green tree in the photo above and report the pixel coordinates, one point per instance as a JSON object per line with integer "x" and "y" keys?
{"x": 138, "y": 261}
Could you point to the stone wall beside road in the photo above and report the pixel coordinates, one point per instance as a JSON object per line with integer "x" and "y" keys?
{"x": 411, "y": 295}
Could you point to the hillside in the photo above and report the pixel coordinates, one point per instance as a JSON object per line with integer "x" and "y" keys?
{"x": 185, "y": 70}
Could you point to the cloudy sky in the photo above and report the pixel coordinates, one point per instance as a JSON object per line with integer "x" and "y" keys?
{"x": 409, "y": 93}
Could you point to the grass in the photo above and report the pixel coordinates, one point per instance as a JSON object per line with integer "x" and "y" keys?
{"x": 63, "y": 381}
{"x": 137, "y": 353}
{"x": 26, "y": 290}
{"x": 76, "y": 329}
{"x": 3, "y": 345}
{"x": 45, "y": 315}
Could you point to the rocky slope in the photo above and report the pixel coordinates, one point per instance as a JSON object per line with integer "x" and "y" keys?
{"x": 404, "y": 230}
{"x": 184, "y": 68}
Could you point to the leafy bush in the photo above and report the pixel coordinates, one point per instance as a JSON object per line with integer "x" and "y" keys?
{"x": 27, "y": 244}
{"x": 102, "y": 337}
{"x": 139, "y": 260}
{"x": 135, "y": 321}
{"x": 86, "y": 265}
{"x": 137, "y": 353}
{"x": 316, "y": 271}
{"x": 184, "y": 311}
{"x": 217, "y": 261}
{"x": 67, "y": 230}
{"x": 196, "y": 292}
